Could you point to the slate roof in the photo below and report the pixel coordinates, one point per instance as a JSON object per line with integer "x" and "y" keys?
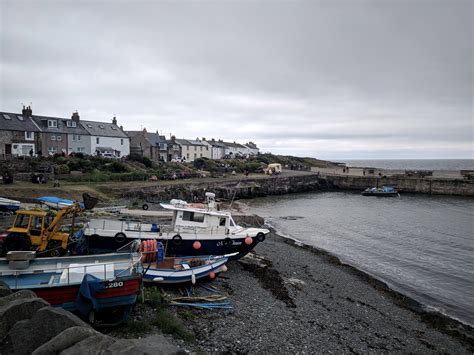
{"x": 155, "y": 139}
{"x": 15, "y": 124}
{"x": 215, "y": 143}
{"x": 104, "y": 129}
{"x": 189, "y": 142}
{"x": 234, "y": 145}
{"x": 42, "y": 122}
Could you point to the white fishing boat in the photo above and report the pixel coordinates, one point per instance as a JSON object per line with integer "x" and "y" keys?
{"x": 195, "y": 229}
{"x": 7, "y": 205}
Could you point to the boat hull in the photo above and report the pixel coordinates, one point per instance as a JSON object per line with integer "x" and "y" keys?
{"x": 184, "y": 247}
{"x": 171, "y": 276}
{"x": 381, "y": 194}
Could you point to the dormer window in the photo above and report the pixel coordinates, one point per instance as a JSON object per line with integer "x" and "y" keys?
{"x": 71, "y": 124}
{"x": 52, "y": 124}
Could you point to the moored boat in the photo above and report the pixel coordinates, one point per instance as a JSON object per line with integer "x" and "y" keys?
{"x": 384, "y": 191}
{"x": 93, "y": 286}
{"x": 215, "y": 230}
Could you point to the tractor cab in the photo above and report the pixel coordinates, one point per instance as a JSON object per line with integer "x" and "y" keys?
{"x": 30, "y": 224}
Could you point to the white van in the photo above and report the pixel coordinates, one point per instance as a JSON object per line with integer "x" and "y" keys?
{"x": 273, "y": 169}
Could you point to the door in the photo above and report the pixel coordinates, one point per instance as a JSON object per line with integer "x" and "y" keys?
{"x": 8, "y": 149}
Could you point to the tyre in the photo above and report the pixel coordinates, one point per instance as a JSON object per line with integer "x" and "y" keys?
{"x": 177, "y": 239}
{"x": 145, "y": 206}
{"x": 16, "y": 241}
{"x": 120, "y": 238}
{"x": 260, "y": 237}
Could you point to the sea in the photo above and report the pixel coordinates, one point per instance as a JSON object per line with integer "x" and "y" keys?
{"x": 419, "y": 245}
{"x": 414, "y": 164}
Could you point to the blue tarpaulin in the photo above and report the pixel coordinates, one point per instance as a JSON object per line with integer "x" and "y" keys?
{"x": 86, "y": 301}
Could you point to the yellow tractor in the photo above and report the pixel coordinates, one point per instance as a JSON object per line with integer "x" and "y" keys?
{"x": 36, "y": 230}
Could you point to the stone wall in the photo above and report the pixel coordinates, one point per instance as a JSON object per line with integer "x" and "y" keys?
{"x": 279, "y": 185}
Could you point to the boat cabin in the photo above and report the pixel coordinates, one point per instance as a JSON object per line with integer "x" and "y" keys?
{"x": 201, "y": 218}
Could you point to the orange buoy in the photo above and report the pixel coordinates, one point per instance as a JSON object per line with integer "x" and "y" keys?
{"x": 197, "y": 244}
{"x": 248, "y": 240}
{"x": 212, "y": 275}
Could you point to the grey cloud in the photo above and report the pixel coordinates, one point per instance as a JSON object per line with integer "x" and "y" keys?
{"x": 302, "y": 72}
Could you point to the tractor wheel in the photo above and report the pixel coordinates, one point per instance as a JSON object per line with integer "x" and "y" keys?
{"x": 55, "y": 249}
{"x": 16, "y": 241}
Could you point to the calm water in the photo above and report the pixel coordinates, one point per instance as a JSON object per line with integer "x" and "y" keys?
{"x": 415, "y": 164}
{"x": 422, "y": 246}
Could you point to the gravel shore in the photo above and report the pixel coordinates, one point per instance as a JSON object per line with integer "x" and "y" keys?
{"x": 300, "y": 301}
{"x": 305, "y": 303}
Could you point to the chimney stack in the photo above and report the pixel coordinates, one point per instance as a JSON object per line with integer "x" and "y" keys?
{"x": 114, "y": 121}
{"x": 75, "y": 117}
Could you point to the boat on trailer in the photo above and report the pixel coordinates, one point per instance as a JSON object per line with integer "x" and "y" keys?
{"x": 384, "y": 191}
{"x": 101, "y": 288}
{"x": 215, "y": 231}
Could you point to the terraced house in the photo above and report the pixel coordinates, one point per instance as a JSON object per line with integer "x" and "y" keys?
{"x": 26, "y": 134}
{"x": 19, "y": 134}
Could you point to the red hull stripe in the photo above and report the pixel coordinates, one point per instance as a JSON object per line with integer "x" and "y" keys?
{"x": 64, "y": 294}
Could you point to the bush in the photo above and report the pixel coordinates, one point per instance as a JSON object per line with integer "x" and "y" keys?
{"x": 116, "y": 167}
{"x": 62, "y": 169}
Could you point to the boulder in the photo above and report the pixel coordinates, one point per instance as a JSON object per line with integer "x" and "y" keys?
{"x": 22, "y": 294}
{"x": 4, "y": 289}
{"x": 18, "y": 310}
{"x": 66, "y": 339}
{"x": 34, "y": 329}
{"x": 96, "y": 344}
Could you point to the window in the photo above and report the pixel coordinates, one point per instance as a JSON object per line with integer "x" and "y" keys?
{"x": 20, "y": 117}
{"x": 78, "y": 137}
{"x": 80, "y": 149}
{"x": 59, "y": 138}
{"x": 195, "y": 148}
{"x": 53, "y": 138}
{"x": 22, "y": 221}
{"x": 201, "y": 148}
{"x": 74, "y": 137}
{"x": 222, "y": 221}
{"x": 200, "y": 155}
{"x": 195, "y": 155}
{"x": 71, "y": 124}
{"x": 89, "y": 125}
{"x": 193, "y": 217}
{"x": 5, "y": 116}
{"x": 97, "y": 140}
{"x": 207, "y": 147}
{"x": 121, "y": 141}
{"x": 52, "y": 124}
{"x": 52, "y": 150}
{"x": 29, "y": 136}
{"x": 187, "y": 156}
{"x": 102, "y": 127}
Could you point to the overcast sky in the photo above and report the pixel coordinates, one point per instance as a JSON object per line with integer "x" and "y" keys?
{"x": 329, "y": 79}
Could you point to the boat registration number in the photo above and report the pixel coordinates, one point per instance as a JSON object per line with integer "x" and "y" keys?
{"x": 114, "y": 284}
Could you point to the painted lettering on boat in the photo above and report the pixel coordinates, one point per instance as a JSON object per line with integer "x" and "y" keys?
{"x": 114, "y": 284}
